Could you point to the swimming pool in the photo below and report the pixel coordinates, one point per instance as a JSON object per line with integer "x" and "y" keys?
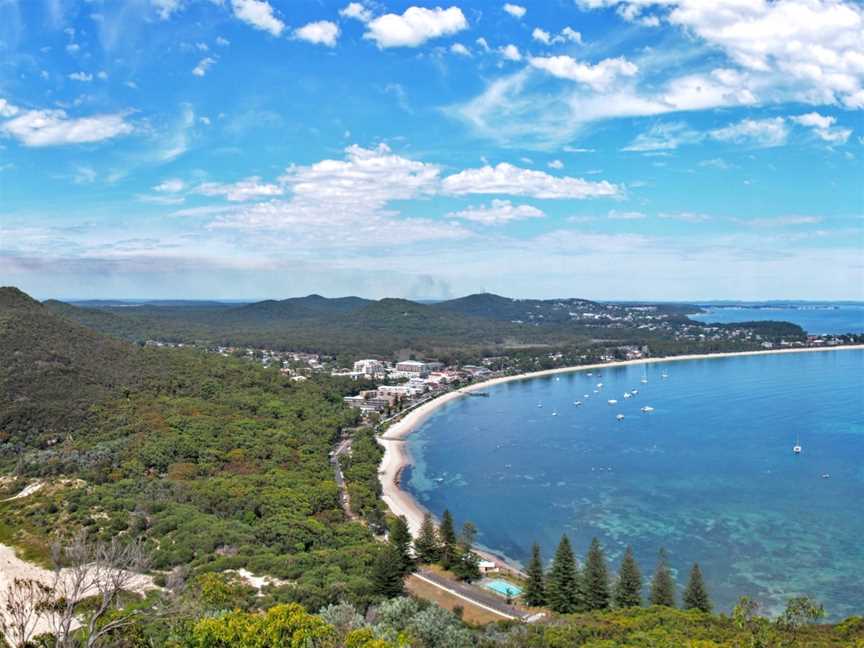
{"x": 503, "y": 588}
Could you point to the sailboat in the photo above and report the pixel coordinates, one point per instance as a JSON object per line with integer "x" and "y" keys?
{"x": 644, "y": 380}
{"x": 797, "y": 447}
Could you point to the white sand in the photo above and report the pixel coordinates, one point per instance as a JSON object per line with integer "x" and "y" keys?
{"x": 396, "y": 455}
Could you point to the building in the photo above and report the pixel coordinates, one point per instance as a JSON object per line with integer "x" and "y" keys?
{"x": 369, "y": 367}
{"x": 418, "y": 368}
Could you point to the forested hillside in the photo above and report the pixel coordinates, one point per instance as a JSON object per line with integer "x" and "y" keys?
{"x": 216, "y": 462}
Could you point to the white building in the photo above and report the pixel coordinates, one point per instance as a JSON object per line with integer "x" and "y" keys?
{"x": 369, "y": 367}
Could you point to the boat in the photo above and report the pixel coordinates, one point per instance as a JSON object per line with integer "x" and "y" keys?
{"x": 554, "y": 413}
{"x": 587, "y": 396}
{"x": 589, "y": 374}
{"x": 644, "y": 380}
{"x": 599, "y": 385}
{"x": 664, "y": 375}
{"x": 626, "y": 394}
{"x": 539, "y": 404}
{"x": 620, "y": 417}
{"x": 634, "y": 391}
{"x": 647, "y": 409}
{"x": 826, "y": 476}
{"x": 612, "y": 401}
{"x": 797, "y": 447}
{"x": 577, "y": 403}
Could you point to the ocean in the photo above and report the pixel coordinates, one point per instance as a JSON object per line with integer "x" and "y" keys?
{"x": 816, "y": 319}
{"x": 709, "y": 475}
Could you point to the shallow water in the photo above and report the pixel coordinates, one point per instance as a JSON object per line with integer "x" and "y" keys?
{"x": 709, "y": 475}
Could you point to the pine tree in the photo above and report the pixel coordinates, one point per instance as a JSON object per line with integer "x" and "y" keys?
{"x": 466, "y": 538}
{"x": 400, "y": 539}
{"x": 535, "y": 588}
{"x": 662, "y": 585}
{"x": 595, "y": 578}
{"x": 426, "y": 545}
{"x": 628, "y": 589}
{"x": 562, "y": 586}
{"x": 695, "y": 594}
{"x": 387, "y": 572}
{"x": 447, "y": 534}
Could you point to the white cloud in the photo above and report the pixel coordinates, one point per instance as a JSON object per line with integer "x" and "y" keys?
{"x": 510, "y": 52}
{"x": 172, "y": 185}
{"x": 81, "y": 76}
{"x": 259, "y": 14}
{"x": 823, "y": 126}
{"x": 664, "y": 137}
{"x": 7, "y": 109}
{"x": 203, "y": 66}
{"x": 499, "y": 211}
{"x": 460, "y": 49}
{"x": 356, "y": 11}
{"x": 556, "y": 164}
{"x": 541, "y": 36}
{"x": 240, "y": 191}
{"x": 483, "y": 43}
{"x": 415, "y": 26}
{"x": 758, "y": 132}
{"x": 166, "y": 7}
{"x": 343, "y": 203}
{"x": 508, "y": 179}
{"x": 322, "y": 32}
{"x": 55, "y": 128}
{"x": 811, "y": 48}
{"x": 781, "y": 221}
{"x": 517, "y": 11}
{"x": 568, "y": 34}
{"x": 599, "y": 76}
{"x": 686, "y": 217}
{"x": 626, "y": 215}
{"x": 221, "y": 41}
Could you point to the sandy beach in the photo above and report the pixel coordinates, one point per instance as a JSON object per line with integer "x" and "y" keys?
{"x": 396, "y": 455}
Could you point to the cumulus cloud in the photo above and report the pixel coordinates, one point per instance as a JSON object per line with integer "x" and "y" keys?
{"x": 460, "y": 49}
{"x": 415, "y": 26}
{"x": 356, "y": 11}
{"x": 823, "y": 127}
{"x": 81, "y": 76}
{"x": 510, "y": 52}
{"x": 499, "y": 211}
{"x": 7, "y": 109}
{"x": 258, "y": 14}
{"x": 568, "y": 34}
{"x": 203, "y": 66}
{"x": 322, "y": 32}
{"x": 556, "y": 164}
{"x": 515, "y": 181}
{"x": 757, "y": 132}
{"x": 685, "y": 217}
{"x": 517, "y": 11}
{"x": 164, "y": 8}
{"x": 37, "y": 128}
{"x": 240, "y": 191}
{"x": 598, "y": 77}
{"x": 626, "y": 215}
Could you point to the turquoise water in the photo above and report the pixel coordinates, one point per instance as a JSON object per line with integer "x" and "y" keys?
{"x": 709, "y": 474}
{"x": 503, "y": 588}
{"x": 844, "y": 318}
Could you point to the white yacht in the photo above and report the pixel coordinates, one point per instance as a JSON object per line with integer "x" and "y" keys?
{"x": 577, "y": 403}
{"x": 647, "y": 409}
{"x": 626, "y": 394}
{"x": 644, "y": 380}
{"x": 620, "y": 417}
{"x": 612, "y": 401}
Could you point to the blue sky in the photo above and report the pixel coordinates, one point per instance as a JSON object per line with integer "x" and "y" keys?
{"x": 608, "y": 149}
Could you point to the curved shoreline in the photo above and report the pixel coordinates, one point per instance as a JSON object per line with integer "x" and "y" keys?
{"x": 397, "y": 457}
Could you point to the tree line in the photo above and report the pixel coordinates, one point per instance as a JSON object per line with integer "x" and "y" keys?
{"x": 568, "y": 587}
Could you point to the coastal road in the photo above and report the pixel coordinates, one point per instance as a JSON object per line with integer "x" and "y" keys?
{"x": 472, "y": 594}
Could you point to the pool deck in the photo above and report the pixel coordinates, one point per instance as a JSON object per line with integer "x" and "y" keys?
{"x": 474, "y": 594}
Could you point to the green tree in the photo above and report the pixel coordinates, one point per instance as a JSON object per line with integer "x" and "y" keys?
{"x": 562, "y": 585}
{"x": 628, "y": 589}
{"x": 466, "y": 538}
{"x": 695, "y": 595}
{"x": 400, "y": 540}
{"x": 388, "y": 572}
{"x": 595, "y": 578}
{"x": 662, "y": 585}
{"x": 447, "y": 534}
{"x": 426, "y": 545}
{"x": 535, "y": 588}
{"x": 800, "y": 611}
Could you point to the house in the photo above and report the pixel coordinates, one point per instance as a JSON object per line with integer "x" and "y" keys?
{"x": 369, "y": 367}
{"x": 487, "y": 567}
